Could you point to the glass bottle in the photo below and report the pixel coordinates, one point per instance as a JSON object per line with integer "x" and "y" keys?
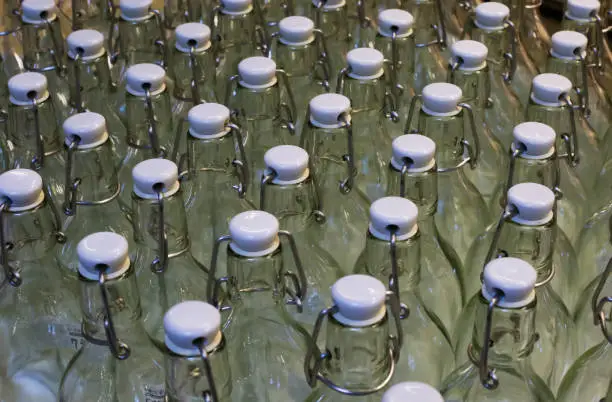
{"x": 179, "y": 12}
{"x": 411, "y": 391}
{"x": 527, "y": 230}
{"x": 117, "y": 361}
{"x": 331, "y": 17}
{"x": 362, "y": 350}
{"x": 462, "y": 212}
{"x": 93, "y": 14}
{"x": 550, "y": 103}
{"x": 91, "y": 186}
{"x": 328, "y": 139}
{"x": 498, "y": 365}
{"x": 412, "y": 175}
{"x": 468, "y": 70}
{"x": 39, "y": 326}
{"x": 392, "y": 253}
{"x": 167, "y": 273}
{"x": 266, "y": 344}
{"x": 196, "y": 354}
{"x": 533, "y": 32}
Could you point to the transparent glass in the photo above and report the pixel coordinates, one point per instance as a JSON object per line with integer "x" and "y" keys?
{"x": 534, "y": 34}
{"x": 139, "y": 42}
{"x": 589, "y": 331}
{"x": 335, "y": 26}
{"x": 177, "y": 12}
{"x": 92, "y": 14}
{"x": 589, "y": 377}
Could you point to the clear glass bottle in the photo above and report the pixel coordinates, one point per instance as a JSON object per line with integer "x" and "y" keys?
{"x": 328, "y": 139}
{"x": 266, "y": 344}
{"x": 527, "y": 230}
{"x": 498, "y": 360}
{"x": 117, "y": 361}
{"x": 167, "y": 273}
{"x": 331, "y": 17}
{"x": 362, "y": 350}
{"x": 196, "y": 354}
{"x": 39, "y": 324}
{"x": 533, "y": 32}
{"x": 409, "y": 391}
{"x": 392, "y": 253}
{"x": 93, "y": 14}
{"x": 462, "y": 212}
{"x": 179, "y": 12}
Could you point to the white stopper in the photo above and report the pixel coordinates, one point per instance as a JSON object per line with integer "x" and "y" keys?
{"x": 192, "y": 34}
{"x": 88, "y": 43}
{"x": 538, "y": 139}
{"x": 441, "y": 99}
{"x": 135, "y": 10}
{"x": 142, "y": 75}
{"x": 208, "y": 120}
{"x": 568, "y": 45}
{"x": 397, "y": 212}
{"x": 254, "y": 233}
{"x": 188, "y": 322}
{"x": 470, "y": 54}
{"x": 26, "y": 87}
{"x": 491, "y": 16}
{"x": 38, "y": 11}
{"x": 420, "y": 150}
{"x": 327, "y": 109}
{"x": 360, "y": 300}
{"x": 512, "y": 276}
{"x": 288, "y": 162}
{"x": 582, "y": 10}
{"x": 365, "y": 63}
{"x": 103, "y": 249}
{"x": 257, "y": 72}
{"x": 89, "y": 127}
{"x": 236, "y": 7}
{"x": 397, "y": 20}
{"x": 330, "y": 4}
{"x": 412, "y": 392}
{"x": 150, "y": 173}
{"x": 547, "y": 89}
{"x": 23, "y": 187}
{"x": 296, "y": 31}
{"x": 534, "y": 203}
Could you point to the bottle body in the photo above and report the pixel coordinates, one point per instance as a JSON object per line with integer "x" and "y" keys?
{"x": 589, "y": 377}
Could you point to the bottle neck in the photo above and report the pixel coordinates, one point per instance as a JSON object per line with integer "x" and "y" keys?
{"x": 212, "y": 156}
{"x": 427, "y": 16}
{"x": 292, "y": 204}
{"x": 420, "y": 188}
{"x": 43, "y": 46}
{"x": 177, "y": 12}
{"x": 497, "y": 43}
{"x": 91, "y": 13}
{"x": 143, "y": 122}
{"x": 90, "y": 83}
{"x": 447, "y": 132}
{"x": 195, "y": 68}
{"x": 96, "y": 171}
{"x": 543, "y": 171}
{"x": 139, "y": 41}
{"x": 298, "y": 61}
{"x": 475, "y": 85}
{"x": 571, "y": 69}
{"x": 557, "y": 117}
{"x": 365, "y": 94}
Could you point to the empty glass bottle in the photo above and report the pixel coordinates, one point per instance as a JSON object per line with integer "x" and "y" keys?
{"x": 412, "y": 175}
{"x": 178, "y": 12}
{"x": 498, "y": 363}
{"x": 361, "y": 354}
{"x": 93, "y": 14}
{"x": 533, "y": 32}
{"x": 196, "y": 354}
{"x": 392, "y": 254}
{"x": 39, "y": 325}
{"x": 266, "y": 344}
{"x": 409, "y": 391}
{"x": 117, "y": 361}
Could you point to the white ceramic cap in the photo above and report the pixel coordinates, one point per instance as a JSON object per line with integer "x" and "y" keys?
{"x": 254, "y": 233}
{"x": 192, "y": 34}
{"x": 393, "y": 211}
{"x": 89, "y": 43}
{"x": 103, "y": 249}
{"x": 23, "y": 187}
{"x": 547, "y": 89}
{"x": 296, "y": 30}
{"x": 189, "y": 321}
{"x": 419, "y": 149}
{"x": 365, "y": 63}
{"x": 38, "y": 11}
{"x": 360, "y": 300}
{"x": 491, "y": 16}
{"x": 441, "y": 99}
{"x": 534, "y": 203}
{"x": 568, "y": 45}
{"x": 288, "y": 162}
{"x": 412, "y": 392}
{"x": 135, "y": 10}
{"x": 330, "y": 4}
{"x": 143, "y": 74}
{"x": 395, "y": 19}
{"x": 538, "y": 139}
{"x": 582, "y": 10}
{"x": 151, "y": 172}
{"x": 236, "y": 7}
{"x": 470, "y": 54}
{"x": 208, "y": 120}
{"x": 257, "y": 72}
{"x": 514, "y": 277}
{"x": 89, "y": 127}
{"x": 326, "y": 110}
{"x": 25, "y": 87}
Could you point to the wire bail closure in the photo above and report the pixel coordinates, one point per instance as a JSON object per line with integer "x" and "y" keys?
{"x": 120, "y": 350}
{"x": 570, "y": 139}
{"x": 78, "y": 101}
{"x": 209, "y": 395}
{"x": 38, "y": 160}
{"x": 394, "y": 287}
{"x": 11, "y": 276}
{"x": 599, "y": 315}
{"x": 160, "y": 262}
{"x": 488, "y": 379}
{"x": 71, "y": 185}
{"x": 158, "y": 150}
{"x": 511, "y": 57}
